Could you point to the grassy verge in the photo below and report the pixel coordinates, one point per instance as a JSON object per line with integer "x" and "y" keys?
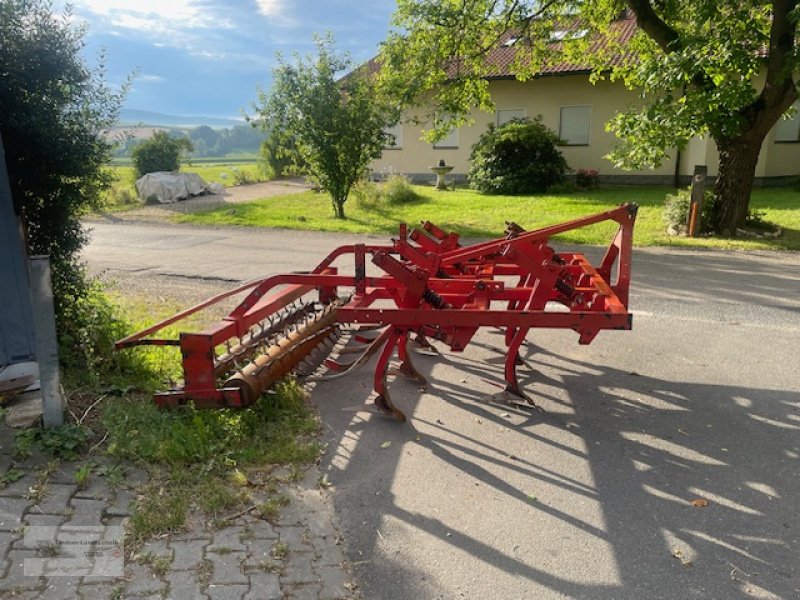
{"x": 202, "y": 464}
{"x": 211, "y": 461}
{"x": 475, "y": 215}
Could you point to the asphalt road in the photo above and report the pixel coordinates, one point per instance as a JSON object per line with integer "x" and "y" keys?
{"x": 591, "y": 497}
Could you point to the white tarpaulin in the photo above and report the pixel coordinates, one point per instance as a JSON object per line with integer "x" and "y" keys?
{"x": 167, "y": 187}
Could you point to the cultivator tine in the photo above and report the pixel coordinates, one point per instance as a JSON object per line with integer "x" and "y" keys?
{"x": 383, "y": 400}
{"x": 406, "y": 368}
{"x": 376, "y": 345}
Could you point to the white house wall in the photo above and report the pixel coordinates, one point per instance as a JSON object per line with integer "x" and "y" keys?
{"x": 546, "y": 96}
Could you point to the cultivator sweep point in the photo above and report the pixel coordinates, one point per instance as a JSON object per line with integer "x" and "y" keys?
{"x": 428, "y": 285}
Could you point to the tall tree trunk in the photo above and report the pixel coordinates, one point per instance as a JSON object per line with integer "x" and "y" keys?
{"x": 338, "y": 207}
{"x": 737, "y": 169}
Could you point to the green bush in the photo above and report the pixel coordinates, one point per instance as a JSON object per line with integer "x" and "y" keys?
{"x": 160, "y": 153}
{"x": 676, "y": 211}
{"x": 519, "y": 157}
{"x": 366, "y": 194}
{"x": 398, "y": 190}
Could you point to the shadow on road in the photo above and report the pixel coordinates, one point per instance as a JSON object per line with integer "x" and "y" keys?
{"x": 591, "y": 497}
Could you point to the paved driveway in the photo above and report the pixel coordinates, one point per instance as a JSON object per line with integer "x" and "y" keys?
{"x": 590, "y": 498}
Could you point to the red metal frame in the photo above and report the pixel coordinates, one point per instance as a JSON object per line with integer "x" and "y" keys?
{"x": 432, "y": 286}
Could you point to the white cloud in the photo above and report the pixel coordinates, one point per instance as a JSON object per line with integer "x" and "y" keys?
{"x": 180, "y": 24}
{"x": 270, "y": 8}
{"x": 147, "y": 78}
{"x": 136, "y": 13}
{"x": 276, "y": 12}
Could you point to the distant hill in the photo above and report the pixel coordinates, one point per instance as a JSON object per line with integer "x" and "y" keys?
{"x": 134, "y": 116}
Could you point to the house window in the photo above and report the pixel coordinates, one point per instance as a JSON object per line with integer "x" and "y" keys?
{"x": 449, "y": 141}
{"x": 505, "y": 115}
{"x": 574, "y": 127}
{"x": 397, "y": 133}
{"x": 788, "y": 130}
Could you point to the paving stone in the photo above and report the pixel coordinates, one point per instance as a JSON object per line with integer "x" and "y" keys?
{"x": 257, "y": 552}
{"x": 36, "y": 460}
{"x": 319, "y": 525}
{"x": 15, "y": 577}
{"x": 333, "y": 583}
{"x": 56, "y": 499}
{"x": 86, "y": 512}
{"x": 308, "y": 591}
{"x": 328, "y": 554}
{"x": 313, "y": 501}
{"x": 97, "y": 579}
{"x": 227, "y": 539}
{"x": 184, "y": 585}
{"x": 64, "y": 474}
{"x": 292, "y": 514}
{"x": 141, "y": 581}
{"x": 227, "y": 592}
{"x": 61, "y": 588}
{"x": 156, "y": 548}
{"x": 20, "y": 487}
{"x": 299, "y": 569}
{"x": 6, "y": 462}
{"x": 227, "y": 568}
{"x": 295, "y": 537}
{"x": 186, "y": 555}
{"x": 120, "y": 505}
{"x": 7, "y": 539}
{"x": 97, "y": 489}
{"x": 114, "y": 521}
{"x": 36, "y": 520}
{"x": 261, "y": 530}
{"x": 264, "y": 586}
{"x": 99, "y": 591}
{"x": 11, "y": 513}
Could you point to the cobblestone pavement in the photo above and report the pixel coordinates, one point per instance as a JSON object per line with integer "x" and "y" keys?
{"x": 231, "y": 195}
{"x": 298, "y": 556}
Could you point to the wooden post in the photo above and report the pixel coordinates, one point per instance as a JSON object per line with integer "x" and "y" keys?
{"x": 44, "y": 319}
{"x": 696, "y": 203}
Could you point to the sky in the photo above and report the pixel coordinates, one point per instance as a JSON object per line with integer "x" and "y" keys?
{"x": 207, "y": 57}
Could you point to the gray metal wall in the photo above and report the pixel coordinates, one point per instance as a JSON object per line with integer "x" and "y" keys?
{"x": 16, "y": 315}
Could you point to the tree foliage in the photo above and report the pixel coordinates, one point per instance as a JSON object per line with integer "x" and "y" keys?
{"x": 724, "y": 69}
{"x": 159, "y": 153}
{"x": 519, "y": 157}
{"x": 337, "y": 126}
{"x": 53, "y": 110}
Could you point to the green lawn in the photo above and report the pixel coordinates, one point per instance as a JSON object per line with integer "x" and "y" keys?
{"x": 475, "y": 215}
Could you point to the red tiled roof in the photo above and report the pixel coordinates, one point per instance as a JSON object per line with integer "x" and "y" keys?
{"x": 500, "y": 59}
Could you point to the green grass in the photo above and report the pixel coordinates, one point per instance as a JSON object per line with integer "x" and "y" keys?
{"x": 475, "y": 215}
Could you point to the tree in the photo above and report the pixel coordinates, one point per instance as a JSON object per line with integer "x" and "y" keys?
{"x": 726, "y": 69}
{"x": 53, "y": 111}
{"x": 159, "y": 153}
{"x": 338, "y": 125}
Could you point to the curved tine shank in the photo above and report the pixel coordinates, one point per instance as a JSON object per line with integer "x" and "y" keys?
{"x": 359, "y": 362}
{"x": 383, "y": 400}
{"x": 512, "y": 384}
{"x": 407, "y": 368}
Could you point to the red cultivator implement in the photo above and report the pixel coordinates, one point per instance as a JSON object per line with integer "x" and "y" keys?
{"x": 428, "y": 285}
